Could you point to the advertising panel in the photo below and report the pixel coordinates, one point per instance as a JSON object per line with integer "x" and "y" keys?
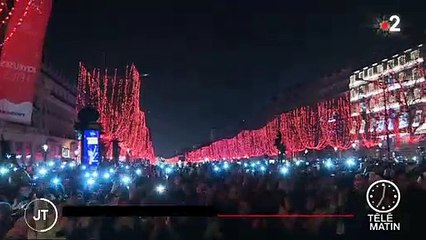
{"x": 91, "y": 148}
{"x": 21, "y": 57}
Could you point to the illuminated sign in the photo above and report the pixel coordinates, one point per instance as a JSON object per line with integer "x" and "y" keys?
{"x": 91, "y": 148}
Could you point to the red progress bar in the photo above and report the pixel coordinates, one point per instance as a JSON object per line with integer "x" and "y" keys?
{"x": 286, "y": 215}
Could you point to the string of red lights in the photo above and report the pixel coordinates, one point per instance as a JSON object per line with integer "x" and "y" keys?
{"x": 315, "y": 127}
{"x": 117, "y": 100}
{"x": 23, "y": 6}
{"x": 323, "y": 125}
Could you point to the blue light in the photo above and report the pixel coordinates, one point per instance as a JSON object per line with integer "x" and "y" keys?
{"x": 138, "y": 171}
{"x": 299, "y": 162}
{"x": 350, "y": 162}
{"x": 87, "y": 175}
{"x": 90, "y": 181}
{"x": 253, "y": 164}
{"x": 127, "y": 167}
{"x": 262, "y": 168}
{"x": 284, "y": 170}
{"x": 160, "y": 189}
{"x": 216, "y": 169}
{"x": 168, "y": 170}
{"x": 111, "y": 170}
{"x": 329, "y": 164}
{"x": 225, "y": 165}
{"x": 51, "y": 163}
{"x": 42, "y": 171}
{"x": 245, "y": 164}
{"x": 3, "y": 171}
{"x": 83, "y": 167}
{"x": 62, "y": 166}
{"x": 95, "y": 174}
{"x": 72, "y": 164}
{"x": 56, "y": 181}
{"x": 107, "y": 175}
{"x": 125, "y": 179}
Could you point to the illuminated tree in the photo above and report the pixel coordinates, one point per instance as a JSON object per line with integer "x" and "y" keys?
{"x": 117, "y": 100}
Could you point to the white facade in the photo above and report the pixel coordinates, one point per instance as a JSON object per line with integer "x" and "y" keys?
{"x": 396, "y": 84}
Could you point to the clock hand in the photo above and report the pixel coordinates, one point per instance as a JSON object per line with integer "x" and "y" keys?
{"x": 383, "y": 196}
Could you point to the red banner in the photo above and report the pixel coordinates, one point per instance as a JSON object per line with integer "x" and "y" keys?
{"x": 21, "y": 58}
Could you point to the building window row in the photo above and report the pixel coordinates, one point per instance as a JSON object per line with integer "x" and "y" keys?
{"x": 404, "y": 79}
{"x": 377, "y": 69}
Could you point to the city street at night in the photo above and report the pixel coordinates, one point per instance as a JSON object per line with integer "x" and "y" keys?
{"x": 212, "y": 120}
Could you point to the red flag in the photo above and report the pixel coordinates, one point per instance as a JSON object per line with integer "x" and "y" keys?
{"x": 21, "y": 59}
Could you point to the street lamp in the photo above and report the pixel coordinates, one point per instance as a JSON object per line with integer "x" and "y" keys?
{"x": 45, "y": 147}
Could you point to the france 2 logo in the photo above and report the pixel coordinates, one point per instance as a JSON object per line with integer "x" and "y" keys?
{"x": 389, "y": 25}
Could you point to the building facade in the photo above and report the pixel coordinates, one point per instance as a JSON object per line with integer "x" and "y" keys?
{"x": 52, "y": 124}
{"x": 388, "y": 101}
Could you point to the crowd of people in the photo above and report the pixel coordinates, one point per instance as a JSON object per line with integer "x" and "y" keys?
{"x": 244, "y": 187}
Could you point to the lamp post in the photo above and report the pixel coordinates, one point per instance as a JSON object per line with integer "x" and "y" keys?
{"x": 45, "y": 148}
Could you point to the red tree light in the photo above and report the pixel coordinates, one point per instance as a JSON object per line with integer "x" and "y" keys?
{"x": 117, "y": 100}
{"x": 326, "y": 124}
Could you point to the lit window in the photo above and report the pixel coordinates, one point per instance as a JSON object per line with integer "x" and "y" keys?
{"x": 352, "y": 80}
{"x": 417, "y": 93}
{"x": 401, "y": 60}
{"x": 373, "y": 125}
{"x": 415, "y": 74}
{"x": 403, "y": 120}
{"x": 415, "y": 54}
{"x": 370, "y": 72}
{"x": 362, "y": 127}
{"x": 418, "y": 118}
{"x": 379, "y": 68}
{"x": 353, "y": 129}
{"x": 381, "y": 125}
{"x": 391, "y": 64}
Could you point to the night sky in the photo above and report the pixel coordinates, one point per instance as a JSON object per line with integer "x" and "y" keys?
{"x": 217, "y": 63}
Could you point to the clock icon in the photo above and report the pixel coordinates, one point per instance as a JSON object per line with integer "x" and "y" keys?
{"x": 383, "y": 196}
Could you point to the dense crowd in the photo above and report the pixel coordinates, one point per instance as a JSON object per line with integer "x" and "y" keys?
{"x": 246, "y": 187}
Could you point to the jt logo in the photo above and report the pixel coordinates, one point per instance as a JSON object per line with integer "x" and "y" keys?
{"x": 41, "y": 214}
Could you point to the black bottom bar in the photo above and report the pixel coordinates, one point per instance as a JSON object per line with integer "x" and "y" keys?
{"x": 141, "y": 211}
